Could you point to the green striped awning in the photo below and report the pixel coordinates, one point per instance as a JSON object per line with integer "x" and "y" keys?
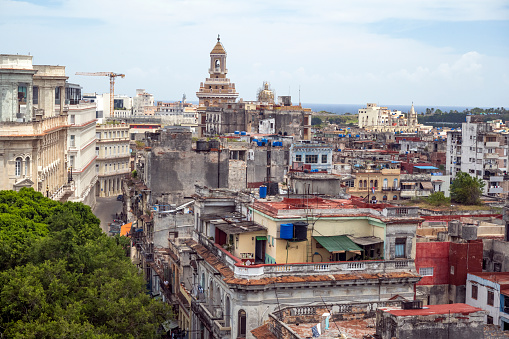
{"x": 261, "y": 238}
{"x": 337, "y": 243}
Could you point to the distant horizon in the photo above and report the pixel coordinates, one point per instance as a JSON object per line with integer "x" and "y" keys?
{"x": 344, "y": 108}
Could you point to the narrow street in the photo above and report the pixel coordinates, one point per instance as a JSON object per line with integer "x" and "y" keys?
{"x": 105, "y": 210}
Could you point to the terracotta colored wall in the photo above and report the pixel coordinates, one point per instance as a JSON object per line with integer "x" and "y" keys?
{"x": 436, "y": 255}
{"x": 466, "y": 258}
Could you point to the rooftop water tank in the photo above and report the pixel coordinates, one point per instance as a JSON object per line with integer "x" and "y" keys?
{"x": 263, "y": 192}
{"x": 214, "y": 144}
{"x": 300, "y": 230}
{"x": 202, "y": 145}
{"x": 237, "y": 132}
{"x": 243, "y": 133}
{"x": 286, "y": 231}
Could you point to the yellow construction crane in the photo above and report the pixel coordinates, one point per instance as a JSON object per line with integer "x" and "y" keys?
{"x": 112, "y": 83}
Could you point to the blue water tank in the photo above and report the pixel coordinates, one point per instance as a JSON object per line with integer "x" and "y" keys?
{"x": 259, "y": 143}
{"x": 286, "y": 231}
{"x": 349, "y": 135}
{"x": 263, "y": 192}
{"x": 243, "y": 133}
{"x": 357, "y": 136}
{"x": 339, "y": 149}
{"x": 237, "y": 132}
{"x": 264, "y": 140}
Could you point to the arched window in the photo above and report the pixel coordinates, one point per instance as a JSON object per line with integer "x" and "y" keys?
{"x": 395, "y": 183}
{"x": 386, "y": 183}
{"x": 370, "y": 184}
{"x": 365, "y": 183}
{"x": 395, "y": 197}
{"x": 384, "y": 198}
{"x": 17, "y": 167}
{"x": 376, "y": 183}
{"x": 360, "y": 183}
{"x": 227, "y": 312}
{"x": 242, "y": 324}
{"x": 27, "y": 166}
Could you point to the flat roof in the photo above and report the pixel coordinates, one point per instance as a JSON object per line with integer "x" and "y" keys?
{"x": 433, "y": 309}
{"x": 501, "y": 278}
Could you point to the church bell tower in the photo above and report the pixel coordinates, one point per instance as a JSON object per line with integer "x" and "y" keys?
{"x": 217, "y": 88}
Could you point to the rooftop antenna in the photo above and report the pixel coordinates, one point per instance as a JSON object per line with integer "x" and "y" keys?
{"x": 218, "y": 38}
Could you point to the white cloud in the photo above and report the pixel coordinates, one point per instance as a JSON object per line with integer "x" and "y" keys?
{"x": 322, "y": 46}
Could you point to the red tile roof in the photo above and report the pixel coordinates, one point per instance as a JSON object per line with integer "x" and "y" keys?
{"x": 263, "y": 332}
{"x": 434, "y": 309}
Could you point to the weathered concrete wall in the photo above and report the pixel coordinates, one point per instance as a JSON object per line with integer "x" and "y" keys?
{"x": 433, "y": 294}
{"x": 453, "y": 325}
{"x": 258, "y": 169}
{"x": 175, "y": 173}
{"x": 495, "y": 255}
{"x": 237, "y": 175}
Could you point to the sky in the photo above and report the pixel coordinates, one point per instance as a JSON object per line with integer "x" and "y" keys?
{"x": 429, "y": 52}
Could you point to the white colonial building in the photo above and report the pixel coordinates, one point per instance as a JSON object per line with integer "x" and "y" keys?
{"x": 381, "y": 119}
{"x": 81, "y": 152}
{"x": 33, "y": 126}
{"x": 113, "y": 157}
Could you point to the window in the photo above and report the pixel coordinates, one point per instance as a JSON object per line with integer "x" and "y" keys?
{"x": 491, "y": 298}
{"x": 395, "y": 197}
{"x": 242, "y": 324}
{"x": 395, "y": 183}
{"x": 489, "y": 320}
{"x": 400, "y": 248}
{"x": 35, "y": 95}
{"x": 22, "y": 94}
{"x": 57, "y": 95}
{"x": 98, "y": 135}
{"x": 97, "y": 150}
{"x": 384, "y": 198}
{"x": 426, "y": 271}
{"x": 27, "y": 166}
{"x": 71, "y": 160}
{"x": 311, "y": 158}
{"x": 73, "y": 140}
{"x": 17, "y": 167}
{"x": 73, "y": 118}
{"x": 473, "y": 292}
{"x": 324, "y": 158}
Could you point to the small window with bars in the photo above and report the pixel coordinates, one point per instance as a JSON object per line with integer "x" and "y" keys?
{"x": 426, "y": 271}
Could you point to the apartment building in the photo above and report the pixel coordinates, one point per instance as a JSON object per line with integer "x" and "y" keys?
{"x": 113, "y": 156}
{"x": 481, "y": 152}
{"x": 81, "y": 154}
{"x": 490, "y": 292}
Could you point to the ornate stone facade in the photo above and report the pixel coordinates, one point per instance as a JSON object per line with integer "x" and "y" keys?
{"x": 33, "y": 126}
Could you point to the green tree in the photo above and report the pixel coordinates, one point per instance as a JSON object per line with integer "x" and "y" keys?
{"x": 316, "y": 121}
{"x": 466, "y": 189}
{"x": 68, "y": 279}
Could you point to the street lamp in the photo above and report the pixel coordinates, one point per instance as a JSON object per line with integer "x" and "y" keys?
{"x": 47, "y": 191}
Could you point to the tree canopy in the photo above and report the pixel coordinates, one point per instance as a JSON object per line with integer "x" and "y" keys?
{"x": 61, "y": 277}
{"x": 466, "y": 189}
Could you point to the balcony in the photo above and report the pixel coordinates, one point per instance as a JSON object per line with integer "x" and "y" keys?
{"x": 214, "y": 321}
{"x": 491, "y": 156}
{"x": 492, "y": 144}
